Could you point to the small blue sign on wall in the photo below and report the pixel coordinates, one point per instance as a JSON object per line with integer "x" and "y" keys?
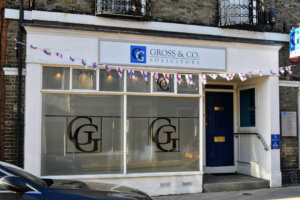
{"x": 295, "y": 42}
{"x": 275, "y": 141}
{"x": 138, "y": 54}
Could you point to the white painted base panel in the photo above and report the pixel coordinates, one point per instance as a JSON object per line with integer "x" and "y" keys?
{"x": 155, "y": 186}
{"x": 218, "y": 170}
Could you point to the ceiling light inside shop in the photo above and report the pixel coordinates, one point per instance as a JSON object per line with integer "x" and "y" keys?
{"x": 58, "y": 76}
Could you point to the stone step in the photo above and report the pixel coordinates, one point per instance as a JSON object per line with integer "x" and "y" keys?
{"x": 232, "y": 182}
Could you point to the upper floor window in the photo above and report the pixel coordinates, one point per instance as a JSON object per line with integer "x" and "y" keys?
{"x": 124, "y": 8}
{"x": 240, "y": 12}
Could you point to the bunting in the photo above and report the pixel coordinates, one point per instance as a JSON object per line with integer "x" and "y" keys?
{"x": 131, "y": 74}
{"x": 189, "y": 79}
{"x": 120, "y": 71}
{"x": 155, "y": 76}
{"x": 145, "y": 75}
{"x": 178, "y": 77}
{"x": 167, "y": 77}
{"x": 47, "y": 52}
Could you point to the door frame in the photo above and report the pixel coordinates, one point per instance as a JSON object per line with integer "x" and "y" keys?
{"x": 221, "y": 169}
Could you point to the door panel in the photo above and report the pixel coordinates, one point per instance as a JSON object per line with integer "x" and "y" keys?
{"x": 219, "y": 129}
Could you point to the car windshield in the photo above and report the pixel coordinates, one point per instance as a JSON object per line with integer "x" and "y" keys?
{"x": 24, "y": 174}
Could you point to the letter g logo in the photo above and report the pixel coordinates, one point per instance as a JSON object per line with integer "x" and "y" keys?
{"x": 138, "y": 54}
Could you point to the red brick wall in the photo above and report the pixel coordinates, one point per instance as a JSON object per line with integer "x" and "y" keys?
{"x": 3, "y": 32}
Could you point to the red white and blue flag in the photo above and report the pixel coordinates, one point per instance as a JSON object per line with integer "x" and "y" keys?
{"x": 242, "y": 76}
{"x": 203, "y": 78}
{"x": 33, "y": 47}
{"x": 230, "y": 77}
{"x": 213, "y": 76}
{"x": 189, "y": 79}
{"x": 167, "y": 77}
{"x": 59, "y": 55}
{"x": 178, "y": 77}
{"x": 94, "y": 65}
{"x": 281, "y": 70}
{"x": 224, "y": 76}
{"x": 289, "y": 69}
{"x": 144, "y": 74}
{"x": 47, "y": 52}
{"x": 155, "y": 76}
{"x": 273, "y": 73}
{"x": 260, "y": 72}
{"x": 107, "y": 68}
{"x": 131, "y": 74}
{"x": 120, "y": 71}
{"x": 72, "y": 59}
{"x": 84, "y": 63}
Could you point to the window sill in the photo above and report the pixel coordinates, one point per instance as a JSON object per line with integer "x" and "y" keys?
{"x": 133, "y": 175}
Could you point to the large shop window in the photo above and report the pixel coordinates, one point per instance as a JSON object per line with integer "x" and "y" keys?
{"x": 82, "y": 134}
{"x": 84, "y": 128}
{"x": 247, "y": 108}
{"x": 162, "y": 134}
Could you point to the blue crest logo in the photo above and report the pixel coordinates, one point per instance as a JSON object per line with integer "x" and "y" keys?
{"x": 138, "y": 54}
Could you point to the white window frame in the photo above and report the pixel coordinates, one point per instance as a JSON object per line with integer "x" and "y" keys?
{"x": 248, "y": 129}
{"x": 125, "y": 94}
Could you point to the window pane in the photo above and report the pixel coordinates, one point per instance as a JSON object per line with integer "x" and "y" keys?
{"x": 162, "y": 134}
{"x": 84, "y": 79}
{"x": 247, "y": 108}
{"x": 82, "y": 134}
{"x": 185, "y": 88}
{"x": 56, "y": 78}
{"x": 162, "y": 85}
{"x": 110, "y": 81}
{"x": 139, "y": 84}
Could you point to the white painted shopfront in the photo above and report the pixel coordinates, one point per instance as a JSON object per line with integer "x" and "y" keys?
{"x": 94, "y": 125}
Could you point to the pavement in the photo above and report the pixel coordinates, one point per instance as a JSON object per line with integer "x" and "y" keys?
{"x": 284, "y": 193}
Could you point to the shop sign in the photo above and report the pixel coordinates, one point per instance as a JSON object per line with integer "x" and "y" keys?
{"x": 84, "y": 136}
{"x": 295, "y": 43}
{"x": 165, "y": 136}
{"x": 289, "y": 124}
{"x": 121, "y": 53}
{"x": 275, "y": 141}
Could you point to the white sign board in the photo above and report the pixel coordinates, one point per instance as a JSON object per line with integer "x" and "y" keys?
{"x": 121, "y": 53}
{"x": 288, "y": 124}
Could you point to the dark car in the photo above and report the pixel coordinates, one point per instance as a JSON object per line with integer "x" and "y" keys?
{"x": 15, "y": 183}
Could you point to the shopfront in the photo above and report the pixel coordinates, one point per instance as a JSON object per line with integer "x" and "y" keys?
{"x": 144, "y": 117}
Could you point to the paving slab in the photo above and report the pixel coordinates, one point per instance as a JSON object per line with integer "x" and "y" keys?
{"x": 232, "y": 182}
{"x": 286, "y": 193}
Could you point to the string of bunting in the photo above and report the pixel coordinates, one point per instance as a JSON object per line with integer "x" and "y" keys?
{"x": 188, "y": 77}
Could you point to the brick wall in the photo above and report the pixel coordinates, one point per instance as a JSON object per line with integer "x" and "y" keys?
{"x": 11, "y": 95}
{"x": 2, "y": 81}
{"x": 9, "y": 154}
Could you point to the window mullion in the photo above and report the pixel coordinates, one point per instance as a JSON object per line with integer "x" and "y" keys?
{"x": 71, "y": 78}
{"x": 125, "y": 134}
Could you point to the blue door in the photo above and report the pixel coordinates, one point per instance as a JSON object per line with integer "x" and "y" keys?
{"x": 219, "y": 129}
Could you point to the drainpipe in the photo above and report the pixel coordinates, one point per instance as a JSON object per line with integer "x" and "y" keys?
{"x": 2, "y": 89}
{"x": 19, "y": 101}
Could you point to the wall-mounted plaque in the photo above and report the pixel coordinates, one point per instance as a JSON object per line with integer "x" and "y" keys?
{"x": 288, "y": 123}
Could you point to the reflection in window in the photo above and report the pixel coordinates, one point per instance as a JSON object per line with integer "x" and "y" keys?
{"x": 247, "y": 108}
{"x": 56, "y": 78}
{"x": 110, "y": 81}
{"x": 240, "y": 12}
{"x": 84, "y": 79}
{"x": 164, "y": 84}
{"x": 81, "y": 134}
{"x": 184, "y": 88}
{"x": 138, "y": 84}
{"x": 162, "y": 134}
